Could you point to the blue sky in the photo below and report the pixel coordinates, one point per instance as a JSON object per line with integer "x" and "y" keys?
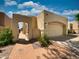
{"x": 66, "y": 8}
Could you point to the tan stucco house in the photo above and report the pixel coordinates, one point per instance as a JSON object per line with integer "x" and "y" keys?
{"x": 52, "y": 24}
{"x": 73, "y": 26}
{"x": 47, "y": 23}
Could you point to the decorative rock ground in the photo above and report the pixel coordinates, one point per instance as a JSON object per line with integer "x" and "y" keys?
{"x": 5, "y": 51}
{"x": 57, "y": 50}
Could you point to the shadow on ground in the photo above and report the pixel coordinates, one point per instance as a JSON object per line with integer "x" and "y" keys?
{"x": 58, "y": 54}
{"x": 61, "y": 51}
{"x": 23, "y": 41}
{"x": 63, "y": 38}
{"x": 60, "y": 38}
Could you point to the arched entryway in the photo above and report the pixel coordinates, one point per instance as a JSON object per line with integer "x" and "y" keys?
{"x": 21, "y": 27}
{"x": 28, "y": 25}
{"x": 23, "y": 30}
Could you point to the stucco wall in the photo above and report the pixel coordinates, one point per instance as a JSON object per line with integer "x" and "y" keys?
{"x": 8, "y": 22}
{"x": 45, "y": 17}
{"x": 5, "y": 21}
{"x": 2, "y": 20}
{"x": 40, "y": 21}
{"x": 53, "y": 18}
{"x": 33, "y": 32}
{"x": 2, "y": 16}
{"x": 18, "y": 18}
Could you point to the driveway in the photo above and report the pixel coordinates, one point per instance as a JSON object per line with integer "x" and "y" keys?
{"x": 64, "y": 38}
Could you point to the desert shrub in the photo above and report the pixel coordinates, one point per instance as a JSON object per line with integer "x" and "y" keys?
{"x": 5, "y": 37}
{"x": 47, "y": 39}
{"x": 44, "y": 41}
{"x": 69, "y": 31}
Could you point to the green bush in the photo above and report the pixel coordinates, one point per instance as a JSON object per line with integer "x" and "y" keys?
{"x": 47, "y": 39}
{"x": 5, "y": 37}
{"x": 44, "y": 41}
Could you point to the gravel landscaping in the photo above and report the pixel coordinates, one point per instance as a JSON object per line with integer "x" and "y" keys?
{"x": 68, "y": 49}
{"x": 57, "y": 50}
{"x": 5, "y": 51}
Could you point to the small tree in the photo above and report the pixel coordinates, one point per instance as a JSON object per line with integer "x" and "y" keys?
{"x": 77, "y": 18}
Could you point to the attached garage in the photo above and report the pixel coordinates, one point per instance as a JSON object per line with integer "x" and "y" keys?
{"x": 54, "y": 29}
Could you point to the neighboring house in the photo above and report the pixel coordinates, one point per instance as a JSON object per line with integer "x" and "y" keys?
{"x": 5, "y": 21}
{"x": 46, "y": 23}
{"x": 73, "y": 26}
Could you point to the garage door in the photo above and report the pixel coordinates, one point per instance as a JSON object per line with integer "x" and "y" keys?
{"x": 54, "y": 29}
